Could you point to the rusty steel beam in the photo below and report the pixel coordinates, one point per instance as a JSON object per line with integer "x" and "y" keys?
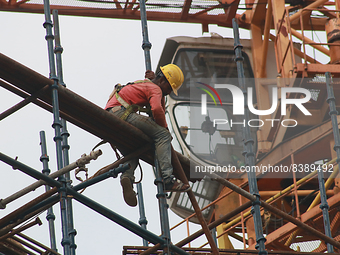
{"x": 198, "y": 18}
{"x": 132, "y": 12}
{"x": 38, "y": 243}
{"x": 230, "y": 12}
{"x": 37, "y": 221}
{"x": 185, "y": 9}
{"x": 13, "y": 215}
{"x": 20, "y": 219}
{"x": 23, "y": 103}
{"x": 14, "y": 248}
{"x": 80, "y": 111}
{"x": 177, "y": 165}
{"x": 28, "y": 245}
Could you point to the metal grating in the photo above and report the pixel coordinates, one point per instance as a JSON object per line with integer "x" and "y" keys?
{"x": 306, "y": 246}
{"x": 205, "y": 192}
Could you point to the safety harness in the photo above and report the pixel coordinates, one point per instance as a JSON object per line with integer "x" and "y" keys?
{"x": 129, "y": 108}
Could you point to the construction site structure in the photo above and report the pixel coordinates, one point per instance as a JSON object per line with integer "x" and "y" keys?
{"x": 289, "y": 205}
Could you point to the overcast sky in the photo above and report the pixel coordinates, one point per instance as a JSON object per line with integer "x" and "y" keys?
{"x": 98, "y": 53}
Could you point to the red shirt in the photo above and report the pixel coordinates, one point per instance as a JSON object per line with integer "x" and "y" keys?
{"x": 143, "y": 94}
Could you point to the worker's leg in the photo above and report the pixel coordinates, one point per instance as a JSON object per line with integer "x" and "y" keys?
{"x": 126, "y": 180}
{"x": 130, "y": 173}
{"x": 161, "y": 138}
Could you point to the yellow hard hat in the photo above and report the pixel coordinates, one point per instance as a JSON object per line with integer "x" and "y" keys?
{"x": 174, "y": 75}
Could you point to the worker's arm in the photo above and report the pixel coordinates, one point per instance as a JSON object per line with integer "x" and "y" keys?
{"x": 155, "y": 99}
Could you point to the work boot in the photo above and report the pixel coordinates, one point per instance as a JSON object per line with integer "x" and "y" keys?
{"x": 128, "y": 193}
{"x": 175, "y": 185}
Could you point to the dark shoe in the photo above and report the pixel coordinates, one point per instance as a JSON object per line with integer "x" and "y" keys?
{"x": 176, "y": 185}
{"x": 128, "y": 193}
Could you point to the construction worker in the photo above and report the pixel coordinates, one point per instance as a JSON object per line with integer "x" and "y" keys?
{"x": 126, "y": 100}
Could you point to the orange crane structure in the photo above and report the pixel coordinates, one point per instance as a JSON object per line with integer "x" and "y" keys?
{"x": 300, "y": 212}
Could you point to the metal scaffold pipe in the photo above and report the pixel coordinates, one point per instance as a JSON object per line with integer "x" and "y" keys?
{"x": 50, "y": 215}
{"x": 57, "y": 128}
{"x": 46, "y": 200}
{"x": 324, "y": 205}
{"x": 85, "y": 159}
{"x": 155, "y": 239}
{"x": 163, "y": 208}
{"x": 163, "y": 205}
{"x": 111, "y": 173}
{"x": 146, "y": 48}
{"x": 90, "y": 203}
{"x": 27, "y": 211}
{"x": 142, "y": 217}
{"x": 146, "y": 43}
{"x": 64, "y": 133}
{"x": 248, "y": 145}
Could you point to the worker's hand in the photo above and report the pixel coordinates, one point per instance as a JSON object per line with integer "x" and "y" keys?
{"x": 150, "y": 75}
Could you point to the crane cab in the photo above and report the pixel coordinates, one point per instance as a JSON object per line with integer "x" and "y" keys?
{"x": 205, "y": 62}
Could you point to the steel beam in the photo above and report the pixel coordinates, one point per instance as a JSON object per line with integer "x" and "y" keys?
{"x": 82, "y": 112}
{"x": 176, "y": 164}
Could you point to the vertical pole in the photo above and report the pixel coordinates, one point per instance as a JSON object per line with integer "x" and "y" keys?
{"x": 248, "y": 145}
{"x": 213, "y": 234}
{"x": 64, "y": 134}
{"x": 142, "y": 219}
{"x": 146, "y": 46}
{"x": 161, "y": 195}
{"x": 56, "y": 125}
{"x": 50, "y": 215}
{"x": 324, "y": 205}
{"x": 163, "y": 208}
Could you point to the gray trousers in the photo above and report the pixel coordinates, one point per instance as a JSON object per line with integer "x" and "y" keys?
{"x": 158, "y": 134}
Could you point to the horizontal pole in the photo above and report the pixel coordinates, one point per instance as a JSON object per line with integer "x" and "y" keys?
{"x": 80, "y": 162}
{"x": 145, "y": 234}
{"x": 112, "y": 173}
{"x": 28, "y": 170}
{"x": 26, "y": 209}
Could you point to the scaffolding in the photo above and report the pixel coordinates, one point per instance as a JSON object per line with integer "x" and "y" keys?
{"x": 278, "y": 148}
